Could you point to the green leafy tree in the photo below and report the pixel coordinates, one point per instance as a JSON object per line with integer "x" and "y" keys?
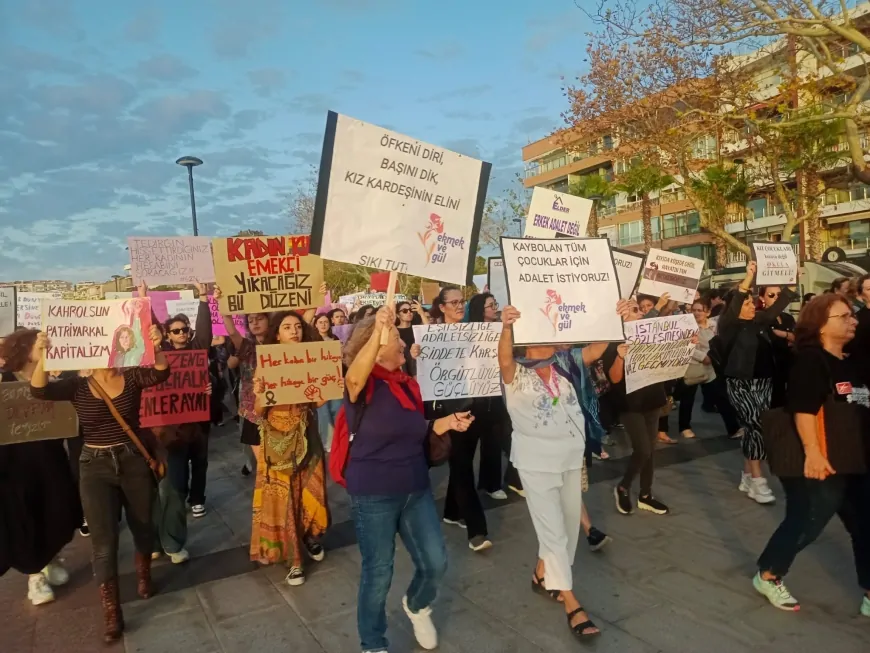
{"x": 641, "y": 180}
{"x": 596, "y": 188}
{"x": 717, "y": 188}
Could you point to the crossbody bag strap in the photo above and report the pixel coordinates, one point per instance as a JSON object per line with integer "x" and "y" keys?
{"x": 130, "y": 433}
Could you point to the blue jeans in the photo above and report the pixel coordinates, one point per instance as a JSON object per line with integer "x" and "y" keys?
{"x": 377, "y": 520}
{"x": 326, "y": 421}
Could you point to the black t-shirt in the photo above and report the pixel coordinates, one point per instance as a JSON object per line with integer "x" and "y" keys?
{"x": 642, "y": 400}
{"x": 407, "y": 336}
{"x": 817, "y": 374}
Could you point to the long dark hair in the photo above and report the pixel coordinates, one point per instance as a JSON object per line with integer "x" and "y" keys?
{"x": 308, "y": 333}
{"x": 16, "y": 347}
{"x": 415, "y": 317}
{"x": 441, "y": 299}
{"x": 328, "y": 319}
{"x": 363, "y": 312}
{"x": 477, "y": 307}
{"x": 807, "y": 331}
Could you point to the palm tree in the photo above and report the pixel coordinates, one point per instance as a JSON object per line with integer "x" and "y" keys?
{"x": 641, "y": 180}
{"x": 596, "y": 188}
{"x": 718, "y": 187}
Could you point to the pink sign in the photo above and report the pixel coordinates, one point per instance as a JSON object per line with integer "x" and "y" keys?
{"x": 217, "y": 320}
{"x": 158, "y": 302}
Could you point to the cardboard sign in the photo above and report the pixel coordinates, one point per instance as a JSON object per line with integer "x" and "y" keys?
{"x": 300, "y": 373}
{"x": 190, "y": 308}
{"x": 28, "y": 313}
{"x": 391, "y": 202}
{"x": 777, "y": 264}
{"x": 8, "y": 309}
{"x": 496, "y": 280}
{"x": 660, "y": 350}
{"x": 342, "y": 332}
{"x": 629, "y": 265}
{"x": 667, "y": 272}
{"x": 552, "y": 213}
{"x": 429, "y": 290}
{"x": 25, "y": 419}
{"x": 97, "y": 334}
{"x": 158, "y": 302}
{"x": 262, "y": 274}
{"x": 183, "y": 398}
{"x": 170, "y": 261}
{"x": 565, "y": 288}
{"x": 458, "y": 361}
{"x": 128, "y": 294}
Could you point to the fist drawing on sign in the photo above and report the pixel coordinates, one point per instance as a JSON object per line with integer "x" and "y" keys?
{"x": 312, "y": 393}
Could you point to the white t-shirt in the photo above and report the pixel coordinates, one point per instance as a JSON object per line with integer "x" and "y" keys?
{"x": 547, "y": 437}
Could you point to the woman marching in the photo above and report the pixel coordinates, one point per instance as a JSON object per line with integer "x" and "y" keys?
{"x": 115, "y": 471}
{"x": 290, "y": 508}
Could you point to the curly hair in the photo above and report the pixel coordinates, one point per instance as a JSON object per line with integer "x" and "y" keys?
{"x": 16, "y": 347}
{"x": 308, "y": 332}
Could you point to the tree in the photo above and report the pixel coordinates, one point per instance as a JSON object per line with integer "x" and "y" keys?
{"x": 596, "y": 188}
{"x": 504, "y": 215}
{"x": 718, "y": 188}
{"x": 249, "y": 232}
{"x": 300, "y": 207}
{"x": 641, "y": 180}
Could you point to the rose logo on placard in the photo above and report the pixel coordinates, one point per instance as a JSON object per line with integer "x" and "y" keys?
{"x": 551, "y": 307}
{"x": 436, "y": 242}
{"x": 560, "y": 314}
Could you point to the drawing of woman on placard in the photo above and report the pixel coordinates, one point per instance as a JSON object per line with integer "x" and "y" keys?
{"x": 129, "y": 340}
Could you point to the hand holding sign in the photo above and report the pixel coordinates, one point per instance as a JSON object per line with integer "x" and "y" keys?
{"x": 509, "y": 316}
{"x": 456, "y": 422}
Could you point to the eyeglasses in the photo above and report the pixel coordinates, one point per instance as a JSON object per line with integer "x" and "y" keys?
{"x": 456, "y": 303}
{"x": 178, "y": 332}
{"x": 405, "y": 310}
{"x": 772, "y": 295}
{"x": 843, "y": 316}
{"x": 493, "y": 305}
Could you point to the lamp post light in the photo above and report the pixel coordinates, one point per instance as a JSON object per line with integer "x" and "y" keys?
{"x": 190, "y": 162}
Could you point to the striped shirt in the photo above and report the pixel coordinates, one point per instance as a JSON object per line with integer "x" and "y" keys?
{"x": 99, "y": 427}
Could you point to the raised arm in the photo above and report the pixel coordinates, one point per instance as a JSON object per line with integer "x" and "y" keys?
{"x": 145, "y": 377}
{"x": 506, "y": 362}
{"x": 768, "y": 315}
{"x": 418, "y": 309}
{"x": 358, "y": 373}
{"x": 203, "y": 335}
{"x": 593, "y": 352}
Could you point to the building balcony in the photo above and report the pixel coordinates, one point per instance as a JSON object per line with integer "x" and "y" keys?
{"x": 738, "y": 259}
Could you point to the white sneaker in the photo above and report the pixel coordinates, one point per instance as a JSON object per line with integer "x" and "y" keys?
{"x": 55, "y": 574}
{"x": 745, "y": 480}
{"x": 424, "y": 629}
{"x": 198, "y": 510}
{"x": 156, "y": 555}
{"x": 179, "y": 557}
{"x": 296, "y": 577}
{"x": 38, "y": 590}
{"x": 760, "y": 491}
{"x": 498, "y": 495}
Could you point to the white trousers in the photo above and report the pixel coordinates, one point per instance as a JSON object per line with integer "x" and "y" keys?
{"x": 555, "y": 503}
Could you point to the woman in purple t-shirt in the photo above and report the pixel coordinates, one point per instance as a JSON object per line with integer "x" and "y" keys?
{"x": 388, "y": 480}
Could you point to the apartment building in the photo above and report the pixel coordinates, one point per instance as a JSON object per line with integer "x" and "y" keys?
{"x": 675, "y": 222}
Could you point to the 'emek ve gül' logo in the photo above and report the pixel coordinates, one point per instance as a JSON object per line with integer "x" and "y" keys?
{"x": 559, "y": 206}
{"x": 436, "y": 243}
{"x": 558, "y": 313}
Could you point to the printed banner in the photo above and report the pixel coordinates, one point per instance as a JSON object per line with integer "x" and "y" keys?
{"x": 170, "y": 261}
{"x": 629, "y": 265}
{"x": 777, "y": 264}
{"x": 391, "y": 202}
{"x": 565, "y": 289}
{"x": 8, "y": 310}
{"x": 496, "y": 281}
{"x": 262, "y": 274}
{"x": 458, "y": 361}
{"x": 29, "y": 308}
{"x": 377, "y": 299}
{"x": 25, "y": 419}
{"x": 552, "y": 213}
{"x": 660, "y": 350}
{"x": 667, "y": 272}
{"x": 183, "y": 398}
{"x": 97, "y": 334}
{"x": 300, "y": 373}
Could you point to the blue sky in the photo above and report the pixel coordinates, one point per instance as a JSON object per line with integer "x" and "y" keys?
{"x": 98, "y": 99}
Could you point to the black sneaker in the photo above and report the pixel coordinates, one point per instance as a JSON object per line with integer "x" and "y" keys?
{"x": 653, "y": 505}
{"x": 245, "y": 471}
{"x": 597, "y": 540}
{"x": 315, "y": 550}
{"x": 623, "y": 500}
{"x": 84, "y": 531}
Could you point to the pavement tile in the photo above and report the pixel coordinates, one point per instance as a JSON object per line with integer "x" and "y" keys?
{"x": 187, "y": 631}
{"x": 237, "y": 596}
{"x": 274, "y": 629}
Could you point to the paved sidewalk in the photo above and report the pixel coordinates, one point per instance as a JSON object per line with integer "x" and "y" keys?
{"x": 679, "y": 583}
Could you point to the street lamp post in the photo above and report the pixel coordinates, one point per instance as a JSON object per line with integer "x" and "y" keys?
{"x": 190, "y": 162}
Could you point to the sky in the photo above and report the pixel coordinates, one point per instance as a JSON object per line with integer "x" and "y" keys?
{"x": 98, "y": 99}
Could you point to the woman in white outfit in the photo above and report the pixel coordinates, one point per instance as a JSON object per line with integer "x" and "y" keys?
{"x": 549, "y": 440}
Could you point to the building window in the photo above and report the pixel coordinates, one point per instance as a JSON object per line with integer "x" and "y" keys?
{"x": 706, "y": 253}
{"x": 683, "y": 223}
{"x": 608, "y": 142}
{"x": 631, "y": 233}
{"x": 756, "y": 208}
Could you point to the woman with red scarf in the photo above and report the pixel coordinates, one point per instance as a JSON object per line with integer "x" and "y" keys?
{"x": 388, "y": 480}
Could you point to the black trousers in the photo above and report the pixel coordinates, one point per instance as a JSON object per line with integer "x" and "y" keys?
{"x": 462, "y": 500}
{"x": 809, "y": 506}
{"x": 113, "y": 478}
{"x": 642, "y": 429}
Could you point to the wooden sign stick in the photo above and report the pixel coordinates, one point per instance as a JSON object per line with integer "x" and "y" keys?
{"x": 391, "y": 299}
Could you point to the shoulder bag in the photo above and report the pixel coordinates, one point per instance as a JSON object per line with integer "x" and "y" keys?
{"x": 158, "y": 467}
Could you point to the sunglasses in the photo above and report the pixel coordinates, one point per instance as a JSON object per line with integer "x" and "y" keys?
{"x": 178, "y": 332}
{"x": 405, "y": 310}
{"x": 772, "y": 295}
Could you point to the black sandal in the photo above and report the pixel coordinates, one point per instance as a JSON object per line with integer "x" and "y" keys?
{"x": 579, "y": 629}
{"x": 538, "y": 588}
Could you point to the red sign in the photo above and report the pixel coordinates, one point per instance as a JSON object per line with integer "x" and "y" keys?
{"x": 183, "y": 398}
{"x": 380, "y": 282}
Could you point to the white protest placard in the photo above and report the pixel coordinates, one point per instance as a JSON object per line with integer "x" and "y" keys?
{"x": 552, "y": 213}
{"x": 376, "y": 299}
{"x": 660, "y": 349}
{"x": 458, "y": 361}
{"x": 97, "y": 334}
{"x": 667, "y": 272}
{"x": 111, "y": 294}
{"x": 628, "y": 268}
{"x": 391, "y": 202}
{"x": 29, "y": 308}
{"x": 565, "y": 288}
{"x": 8, "y": 309}
{"x": 188, "y": 307}
{"x": 777, "y": 264}
{"x": 496, "y": 281}
{"x": 171, "y": 261}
